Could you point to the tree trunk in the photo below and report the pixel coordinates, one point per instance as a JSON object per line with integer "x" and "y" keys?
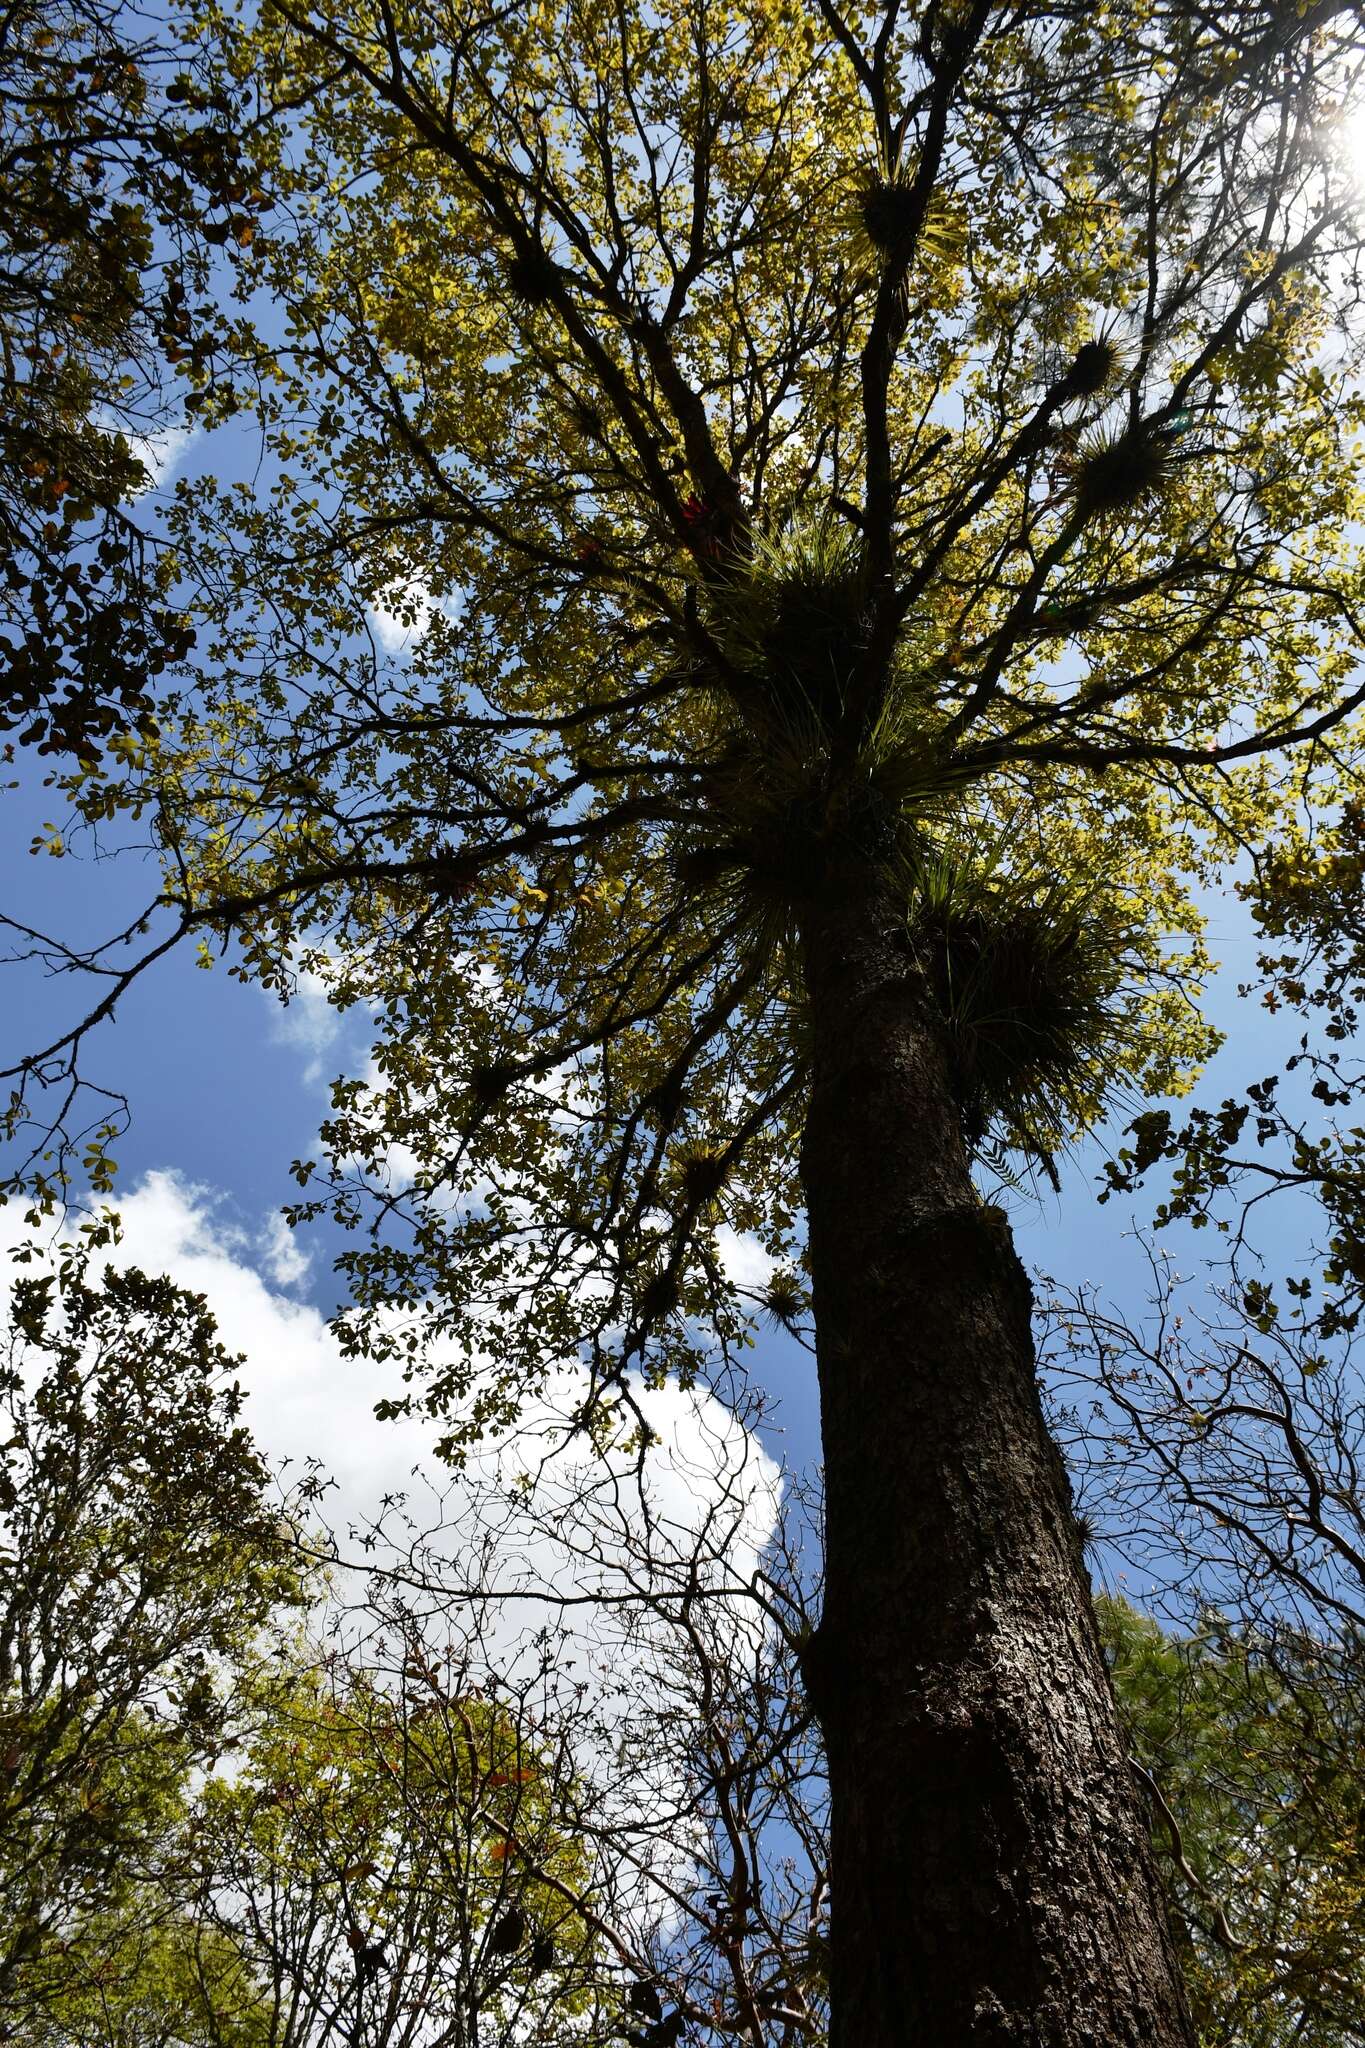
{"x": 992, "y": 1880}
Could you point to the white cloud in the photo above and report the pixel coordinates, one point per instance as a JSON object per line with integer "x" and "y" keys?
{"x": 743, "y": 1259}
{"x": 310, "y": 1401}
{"x": 402, "y": 614}
{"x": 308, "y": 1022}
{"x": 599, "y": 1552}
{"x": 307, "y": 1400}
{"x": 285, "y": 1259}
{"x": 603, "y": 1554}
{"x": 163, "y": 450}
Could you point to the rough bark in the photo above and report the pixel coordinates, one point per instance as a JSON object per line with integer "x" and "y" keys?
{"x": 992, "y": 1876}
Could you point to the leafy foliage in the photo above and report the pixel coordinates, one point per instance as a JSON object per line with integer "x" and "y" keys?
{"x": 114, "y": 162}
{"x": 1029, "y": 973}
{"x": 139, "y": 1553}
{"x": 391, "y": 1855}
{"x": 700, "y": 626}
{"x": 1253, "y": 1750}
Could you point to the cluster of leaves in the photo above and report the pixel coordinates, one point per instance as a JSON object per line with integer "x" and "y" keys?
{"x": 203, "y": 1827}
{"x": 241, "y": 1804}
{"x": 390, "y": 1855}
{"x": 139, "y": 1555}
{"x": 354, "y": 1868}
{"x": 1293, "y": 1131}
{"x": 1252, "y": 1750}
{"x": 119, "y": 171}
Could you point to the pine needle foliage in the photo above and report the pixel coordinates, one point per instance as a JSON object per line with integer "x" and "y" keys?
{"x": 1033, "y": 974}
{"x": 1117, "y": 472}
{"x": 794, "y": 620}
{"x": 784, "y": 1298}
{"x": 887, "y": 209}
{"x": 703, "y": 864}
{"x": 1098, "y": 366}
{"x": 891, "y": 216}
{"x": 531, "y": 276}
{"x": 1095, "y": 366}
{"x": 703, "y": 1171}
{"x": 1030, "y": 974}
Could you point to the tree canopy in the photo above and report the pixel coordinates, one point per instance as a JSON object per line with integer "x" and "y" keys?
{"x": 1251, "y": 1751}
{"x": 1006, "y": 533}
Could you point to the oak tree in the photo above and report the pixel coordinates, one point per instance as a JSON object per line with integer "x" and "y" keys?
{"x": 869, "y": 496}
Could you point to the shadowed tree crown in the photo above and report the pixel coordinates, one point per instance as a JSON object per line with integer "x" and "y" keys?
{"x": 788, "y": 441}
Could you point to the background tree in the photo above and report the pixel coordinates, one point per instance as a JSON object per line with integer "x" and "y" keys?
{"x": 414, "y": 1798}
{"x": 389, "y": 1864}
{"x": 140, "y": 1552}
{"x": 891, "y": 472}
{"x": 642, "y": 1611}
{"x": 1250, "y": 1744}
{"x": 449, "y": 1819}
{"x": 1220, "y": 1439}
{"x": 1219, "y": 1445}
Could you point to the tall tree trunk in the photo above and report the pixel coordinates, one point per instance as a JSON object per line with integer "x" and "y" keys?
{"x": 992, "y": 1880}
